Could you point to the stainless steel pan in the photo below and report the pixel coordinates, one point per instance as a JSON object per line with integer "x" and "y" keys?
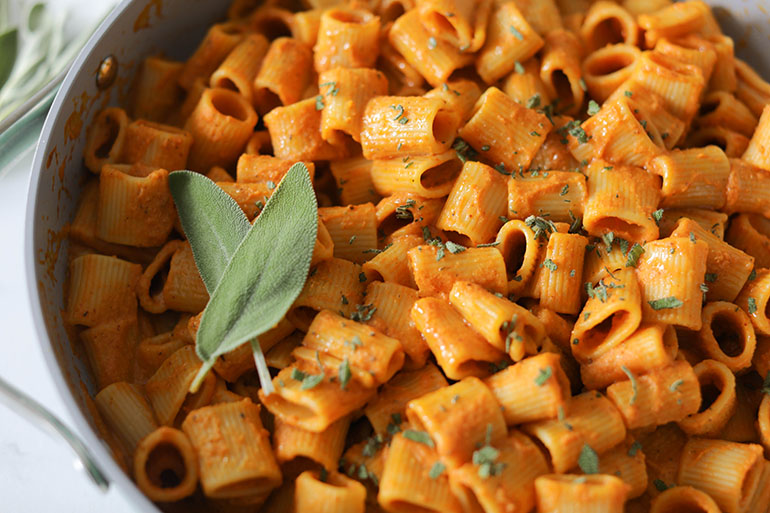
{"x": 133, "y": 31}
{"x": 138, "y": 28}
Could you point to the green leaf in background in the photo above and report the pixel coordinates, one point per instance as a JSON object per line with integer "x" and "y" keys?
{"x": 39, "y": 52}
{"x": 212, "y": 221}
{"x": 264, "y": 276}
{"x": 9, "y": 47}
{"x": 36, "y": 17}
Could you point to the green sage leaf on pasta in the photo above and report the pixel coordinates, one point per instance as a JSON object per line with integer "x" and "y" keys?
{"x": 264, "y": 276}
{"x": 212, "y": 221}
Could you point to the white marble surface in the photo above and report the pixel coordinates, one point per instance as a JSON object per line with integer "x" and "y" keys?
{"x": 37, "y": 472}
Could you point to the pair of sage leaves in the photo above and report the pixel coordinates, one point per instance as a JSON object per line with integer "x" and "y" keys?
{"x": 253, "y": 272}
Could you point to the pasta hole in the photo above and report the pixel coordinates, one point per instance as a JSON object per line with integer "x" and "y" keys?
{"x": 392, "y": 12}
{"x": 403, "y": 505}
{"x": 169, "y": 479}
{"x": 610, "y": 64}
{"x": 760, "y": 224}
{"x": 620, "y": 227}
{"x": 685, "y": 506}
{"x": 709, "y": 393}
{"x": 670, "y": 341}
{"x": 707, "y": 107}
{"x": 111, "y": 135}
{"x": 708, "y": 138}
{"x": 442, "y": 24}
{"x": 165, "y": 466}
{"x": 471, "y": 501}
{"x": 441, "y": 174}
{"x": 444, "y": 126}
{"x": 728, "y": 334}
{"x": 563, "y": 87}
{"x": 514, "y": 251}
{"x": 267, "y": 100}
{"x": 231, "y": 29}
{"x": 607, "y": 32}
{"x": 344, "y": 16}
{"x": 273, "y": 27}
{"x": 395, "y": 221}
{"x": 226, "y": 83}
{"x": 599, "y": 333}
{"x": 750, "y": 482}
{"x": 459, "y": 238}
{"x": 229, "y": 105}
{"x": 242, "y": 9}
{"x": 302, "y": 316}
{"x": 159, "y": 281}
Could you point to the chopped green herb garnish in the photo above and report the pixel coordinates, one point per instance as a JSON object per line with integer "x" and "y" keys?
{"x": 518, "y": 68}
{"x": 400, "y": 109}
{"x": 752, "y": 306}
{"x": 311, "y": 381}
{"x": 464, "y": 150}
{"x": 608, "y": 238}
{"x": 500, "y": 168}
{"x": 363, "y": 312}
{"x": 634, "y": 448}
{"x": 753, "y": 275}
{"x": 534, "y": 101}
{"x": 402, "y": 211}
{"x": 419, "y": 436}
{"x": 454, "y": 248}
{"x": 516, "y": 33}
{"x": 436, "y": 470}
{"x": 549, "y": 264}
{"x": 634, "y": 385}
{"x": 593, "y": 108}
{"x": 588, "y": 461}
{"x": 486, "y": 456}
{"x": 660, "y": 485}
{"x": 355, "y": 342}
{"x": 628, "y": 93}
{"x": 564, "y": 190}
{"x": 540, "y": 226}
{"x": 633, "y": 254}
{"x": 711, "y": 277}
{"x": 344, "y": 373}
{"x": 657, "y": 215}
{"x": 665, "y": 303}
{"x": 543, "y": 376}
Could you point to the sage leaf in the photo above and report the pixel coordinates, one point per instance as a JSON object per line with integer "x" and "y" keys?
{"x": 9, "y": 48}
{"x": 264, "y": 276}
{"x": 212, "y": 221}
{"x": 36, "y": 16}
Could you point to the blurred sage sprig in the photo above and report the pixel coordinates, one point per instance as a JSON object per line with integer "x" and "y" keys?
{"x": 33, "y": 51}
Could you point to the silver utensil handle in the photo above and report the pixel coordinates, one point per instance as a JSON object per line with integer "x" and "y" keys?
{"x": 38, "y": 415}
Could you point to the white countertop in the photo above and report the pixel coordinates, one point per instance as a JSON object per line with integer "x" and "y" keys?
{"x": 37, "y": 472}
